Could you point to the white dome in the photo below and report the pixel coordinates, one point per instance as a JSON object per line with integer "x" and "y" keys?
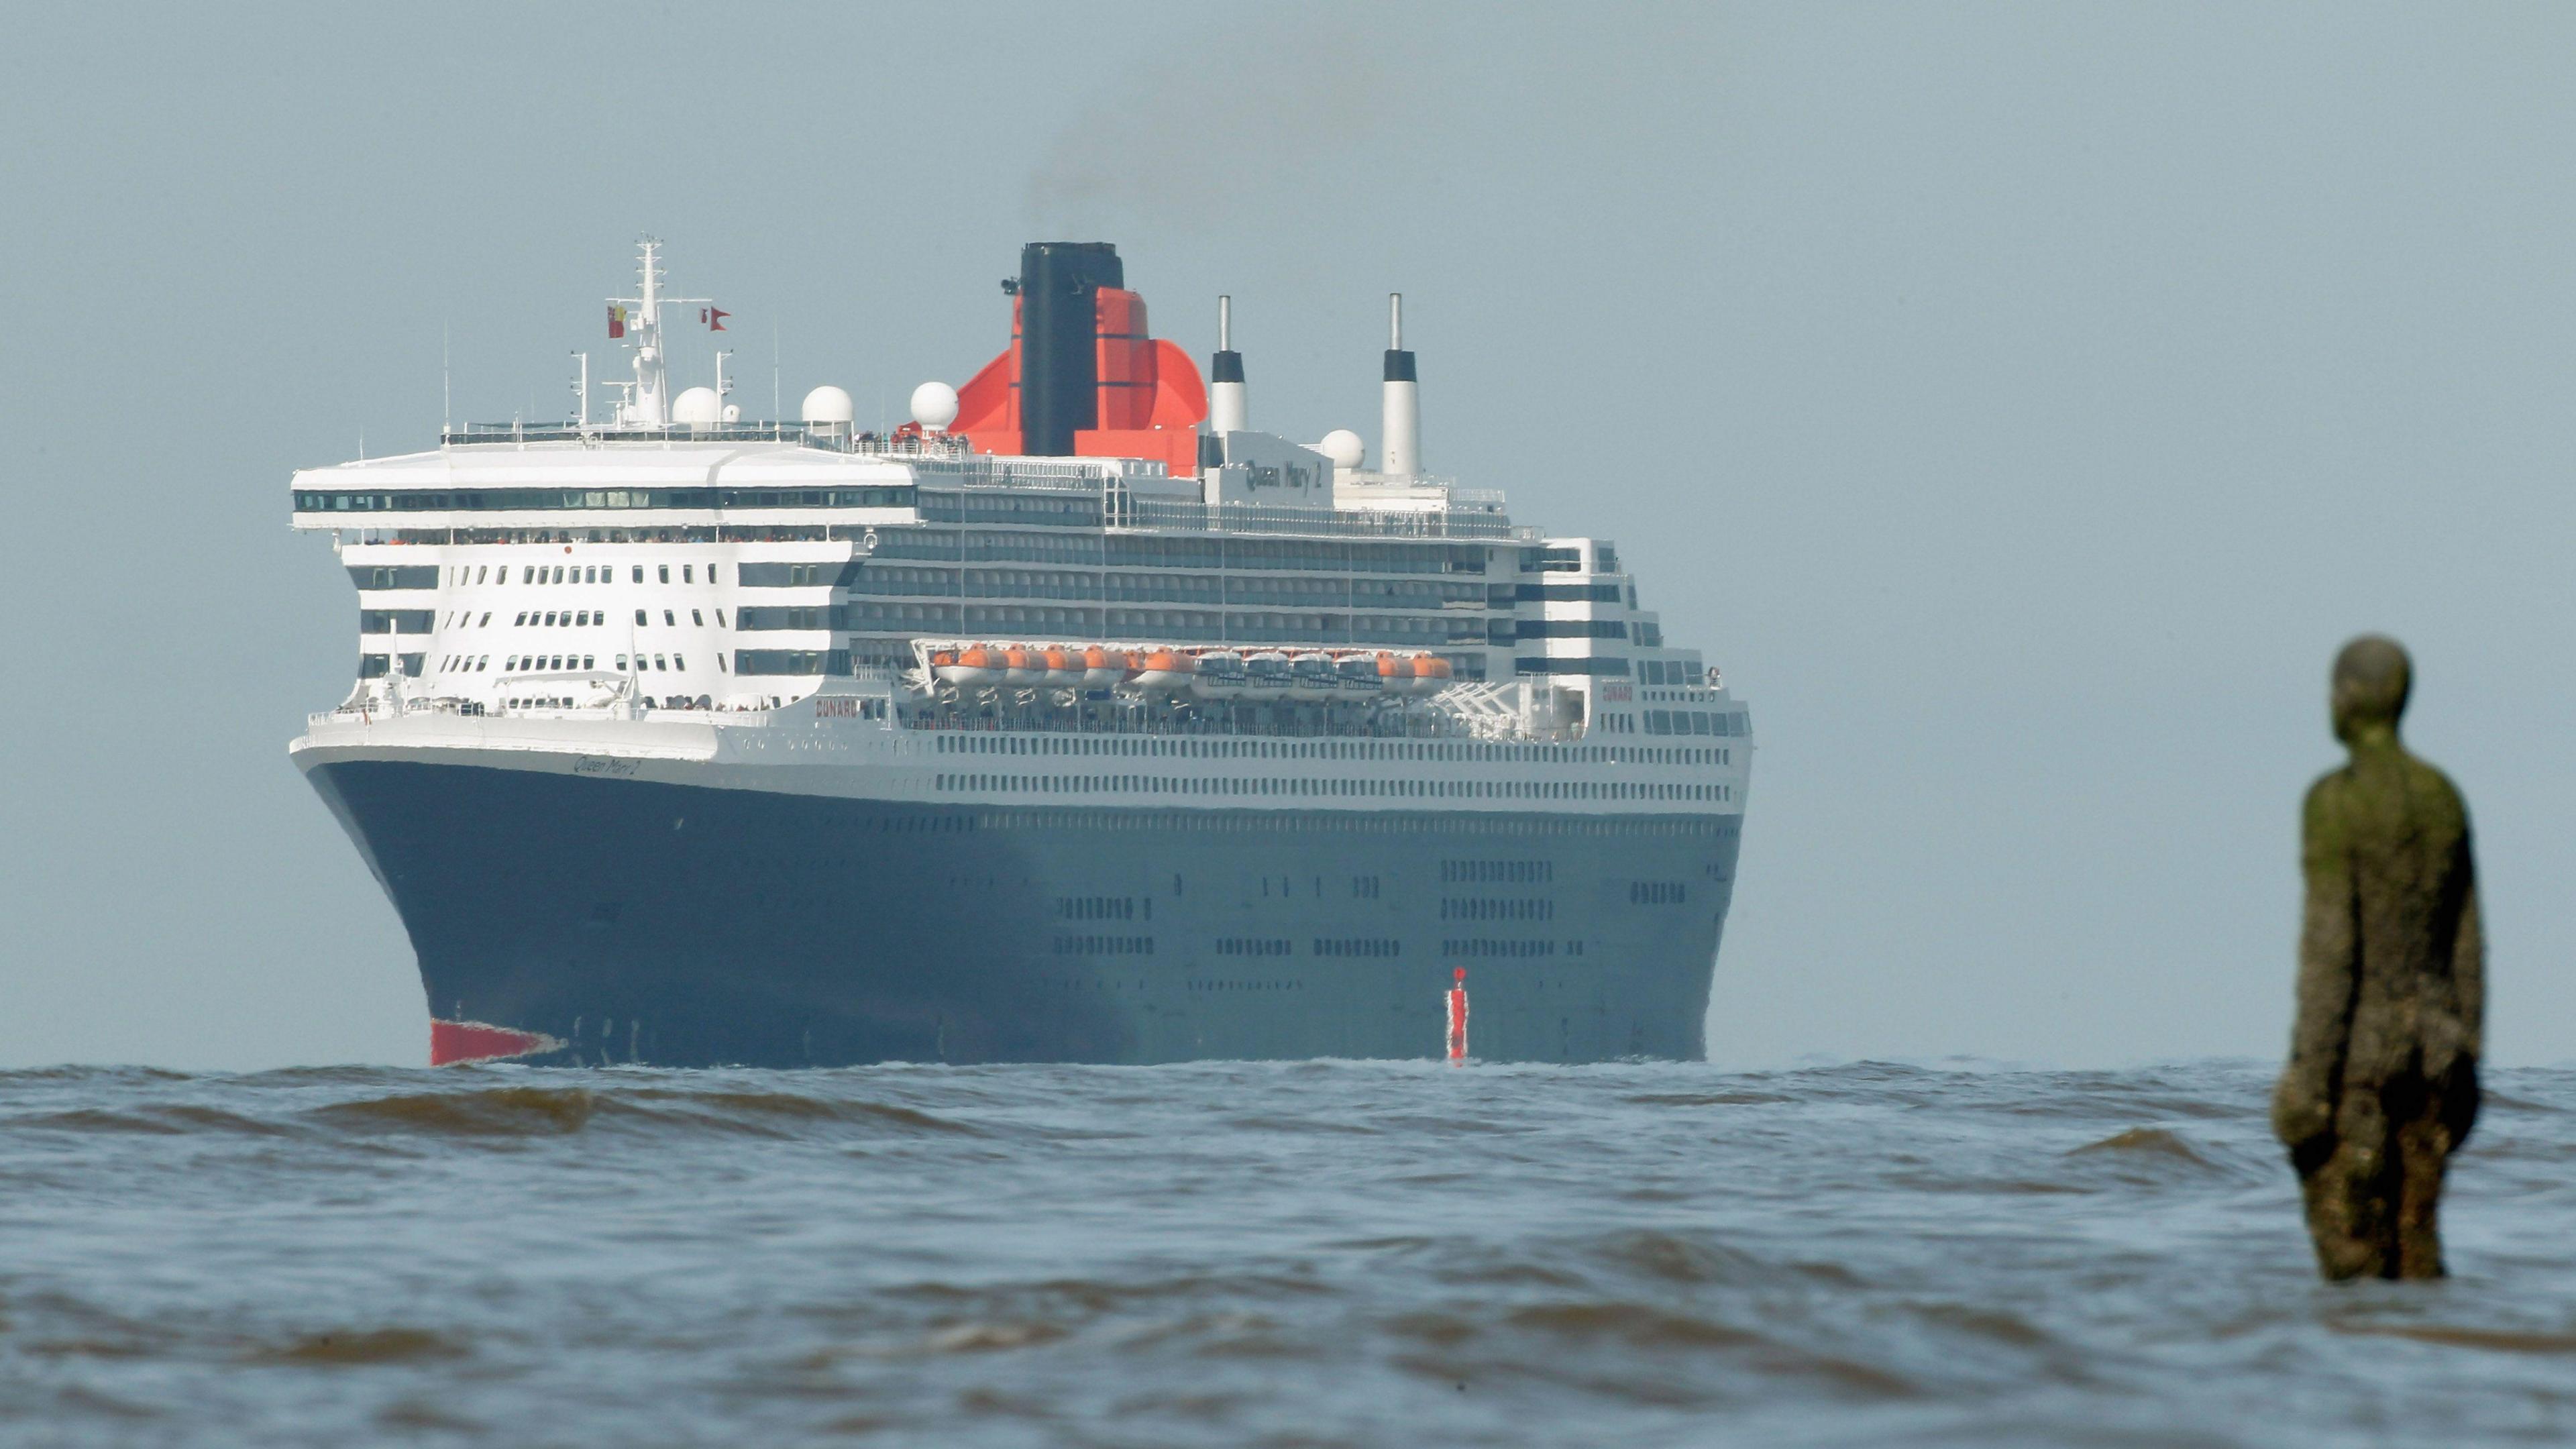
{"x": 695, "y": 408}
{"x": 1344, "y": 447}
{"x": 934, "y": 406}
{"x": 828, "y": 404}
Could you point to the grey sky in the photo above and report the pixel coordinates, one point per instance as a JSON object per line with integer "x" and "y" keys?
{"x": 2021, "y": 403}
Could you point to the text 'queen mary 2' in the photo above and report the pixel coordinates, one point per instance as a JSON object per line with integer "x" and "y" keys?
{"x": 1076, "y": 720}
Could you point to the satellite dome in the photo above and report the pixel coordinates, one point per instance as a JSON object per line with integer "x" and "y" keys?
{"x": 934, "y": 406}
{"x": 828, "y": 406}
{"x": 1344, "y": 447}
{"x": 695, "y": 408}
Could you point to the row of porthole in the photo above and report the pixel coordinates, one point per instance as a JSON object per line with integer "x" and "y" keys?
{"x": 1343, "y": 788}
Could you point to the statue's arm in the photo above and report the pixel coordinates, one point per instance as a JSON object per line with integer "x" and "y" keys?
{"x": 2469, "y": 958}
{"x": 2329, "y": 976}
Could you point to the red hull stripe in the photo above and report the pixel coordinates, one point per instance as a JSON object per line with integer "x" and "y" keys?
{"x": 451, "y": 1042}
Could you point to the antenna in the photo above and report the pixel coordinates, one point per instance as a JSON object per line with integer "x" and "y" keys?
{"x": 581, "y": 391}
{"x": 775, "y": 410}
{"x": 446, "y": 387}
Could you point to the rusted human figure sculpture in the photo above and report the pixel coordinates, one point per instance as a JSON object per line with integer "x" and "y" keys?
{"x": 2382, "y": 1083}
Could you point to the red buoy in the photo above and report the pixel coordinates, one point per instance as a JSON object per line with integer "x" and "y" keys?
{"x": 1458, "y": 1018}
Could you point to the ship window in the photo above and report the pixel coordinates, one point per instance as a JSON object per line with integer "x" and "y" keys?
{"x": 688, "y": 574}
{"x": 667, "y": 619}
{"x": 621, "y": 664}
{"x": 639, "y": 616}
{"x": 720, "y": 664}
{"x": 679, "y": 661}
{"x": 589, "y": 662}
{"x": 658, "y": 664}
{"x": 720, "y": 623}
{"x": 665, "y": 572}
{"x": 639, "y": 573}
{"x": 697, "y": 618}
{"x": 558, "y": 578}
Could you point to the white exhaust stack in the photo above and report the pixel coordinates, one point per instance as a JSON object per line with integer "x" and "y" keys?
{"x": 1228, "y": 409}
{"x": 1400, "y": 425}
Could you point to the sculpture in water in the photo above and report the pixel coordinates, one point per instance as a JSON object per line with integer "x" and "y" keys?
{"x": 2382, "y": 1084}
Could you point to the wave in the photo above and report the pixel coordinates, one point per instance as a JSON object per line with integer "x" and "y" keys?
{"x": 2146, "y": 1142}
{"x": 2502, "y": 1340}
{"x": 515, "y": 1110}
{"x": 483, "y": 1112}
{"x": 360, "y": 1347}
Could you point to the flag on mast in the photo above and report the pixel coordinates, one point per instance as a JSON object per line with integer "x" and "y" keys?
{"x": 616, "y": 320}
{"x": 714, "y": 317}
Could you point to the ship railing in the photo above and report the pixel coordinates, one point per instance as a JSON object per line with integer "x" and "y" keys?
{"x": 828, "y": 437}
{"x": 1263, "y": 518}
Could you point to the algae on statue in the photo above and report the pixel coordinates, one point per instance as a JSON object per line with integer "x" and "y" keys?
{"x": 2382, "y": 1083}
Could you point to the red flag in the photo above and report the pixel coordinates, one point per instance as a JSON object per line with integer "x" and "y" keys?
{"x": 713, "y": 317}
{"x": 616, "y": 320}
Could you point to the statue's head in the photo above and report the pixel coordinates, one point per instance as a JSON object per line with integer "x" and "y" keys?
{"x": 2371, "y": 677}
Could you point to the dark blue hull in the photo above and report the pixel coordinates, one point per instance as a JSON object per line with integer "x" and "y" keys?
{"x": 684, "y": 926}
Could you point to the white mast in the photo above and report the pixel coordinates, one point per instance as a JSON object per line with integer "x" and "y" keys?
{"x": 651, "y": 406}
{"x": 1228, "y": 410}
{"x": 1400, "y": 416}
{"x": 648, "y": 397}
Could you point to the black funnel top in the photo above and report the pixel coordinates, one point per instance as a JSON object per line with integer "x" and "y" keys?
{"x": 1059, "y": 343}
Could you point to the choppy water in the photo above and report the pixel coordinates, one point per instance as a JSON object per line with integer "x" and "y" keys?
{"x": 1310, "y": 1254}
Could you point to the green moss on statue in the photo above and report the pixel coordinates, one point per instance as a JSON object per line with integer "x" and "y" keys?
{"x": 2382, "y": 1084}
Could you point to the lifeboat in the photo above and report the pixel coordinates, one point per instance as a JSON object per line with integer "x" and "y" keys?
{"x": 1358, "y": 673}
{"x": 1265, "y": 675}
{"x": 1023, "y": 666}
{"x": 1102, "y": 667}
{"x": 1164, "y": 670}
{"x": 1220, "y": 675}
{"x": 1310, "y": 676}
{"x": 1431, "y": 674}
{"x": 1395, "y": 673}
{"x": 1065, "y": 667}
{"x": 976, "y": 666}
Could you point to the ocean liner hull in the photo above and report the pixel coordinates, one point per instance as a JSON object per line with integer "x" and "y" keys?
{"x": 580, "y": 919}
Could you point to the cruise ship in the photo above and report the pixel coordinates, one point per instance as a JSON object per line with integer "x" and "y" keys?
{"x": 1074, "y": 720}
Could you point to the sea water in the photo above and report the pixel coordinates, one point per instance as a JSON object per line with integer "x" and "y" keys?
{"x": 1326, "y": 1253}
